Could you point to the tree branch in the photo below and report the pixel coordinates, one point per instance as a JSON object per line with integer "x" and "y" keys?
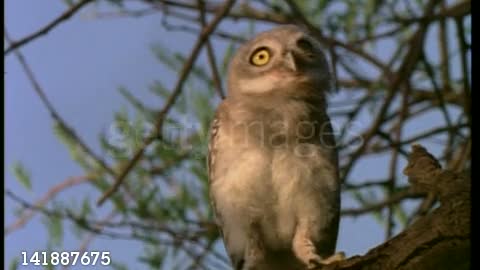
{"x": 54, "y": 114}
{"x": 25, "y": 216}
{"x": 439, "y": 240}
{"x": 44, "y": 30}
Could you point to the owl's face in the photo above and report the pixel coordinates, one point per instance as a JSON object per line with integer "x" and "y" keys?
{"x": 284, "y": 61}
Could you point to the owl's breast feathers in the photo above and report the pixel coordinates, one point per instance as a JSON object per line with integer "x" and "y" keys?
{"x": 274, "y": 165}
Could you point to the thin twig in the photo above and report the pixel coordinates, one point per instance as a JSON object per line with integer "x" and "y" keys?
{"x": 457, "y": 164}
{"x": 418, "y": 137}
{"x": 192, "y": 30}
{"x": 465, "y": 72}
{"x": 53, "y": 113}
{"x": 248, "y": 12}
{"x": 366, "y": 184}
{"x": 88, "y": 239}
{"x": 460, "y": 9}
{"x": 407, "y": 67}
{"x": 444, "y": 59}
{"x": 27, "y": 215}
{"x": 394, "y": 161}
{"x": 44, "y": 30}
{"x": 436, "y": 88}
{"x": 391, "y": 200}
{"x": 92, "y": 226}
{"x": 442, "y": 105}
{"x": 211, "y": 56}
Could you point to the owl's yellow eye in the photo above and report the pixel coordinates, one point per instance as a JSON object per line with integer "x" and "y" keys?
{"x": 260, "y": 57}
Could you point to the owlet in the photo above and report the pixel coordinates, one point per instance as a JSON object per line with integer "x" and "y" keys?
{"x": 273, "y": 166}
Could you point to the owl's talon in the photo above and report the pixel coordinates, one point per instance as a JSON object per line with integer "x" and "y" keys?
{"x": 314, "y": 262}
{"x": 339, "y": 256}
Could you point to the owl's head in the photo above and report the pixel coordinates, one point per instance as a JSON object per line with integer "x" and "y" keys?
{"x": 284, "y": 61}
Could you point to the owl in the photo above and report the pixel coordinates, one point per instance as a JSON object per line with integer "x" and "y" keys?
{"x": 272, "y": 162}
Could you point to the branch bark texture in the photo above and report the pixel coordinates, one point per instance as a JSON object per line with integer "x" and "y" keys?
{"x": 439, "y": 240}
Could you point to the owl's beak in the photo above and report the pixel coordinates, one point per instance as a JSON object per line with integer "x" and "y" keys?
{"x": 290, "y": 61}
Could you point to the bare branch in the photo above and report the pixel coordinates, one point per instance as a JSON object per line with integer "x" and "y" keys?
{"x": 404, "y": 71}
{"x": 27, "y": 215}
{"x": 211, "y": 56}
{"x": 393, "y": 199}
{"x": 44, "y": 30}
{"x": 54, "y": 114}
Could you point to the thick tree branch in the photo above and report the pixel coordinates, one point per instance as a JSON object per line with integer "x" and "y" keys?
{"x": 439, "y": 240}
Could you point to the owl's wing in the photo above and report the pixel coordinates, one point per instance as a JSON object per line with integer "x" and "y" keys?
{"x": 212, "y": 151}
{"x": 219, "y": 157}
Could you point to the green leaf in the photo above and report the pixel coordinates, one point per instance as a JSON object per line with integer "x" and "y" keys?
{"x": 118, "y": 153}
{"x": 144, "y": 110}
{"x": 49, "y": 267}
{"x": 55, "y": 229}
{"x": 76, "y": 152}
{"x": 165, "y": 56}
{"x": 63, "y": 134}
{"x": 118, "y": 3}
{"x": 154, "y": 257}
{"x": 361, "y": 198}
{"x": 200, "y": 171}
{"x": 158, "y": 88}
{"x": 13, "y": 264}
{"x": 401, "y": 215}
{"x": 202, "y": 108}
{"x": 22, "y": 175}
{"x": 102, "y": 185}
{"x": 142, "y": 209}
{"x": 118, "y": 266}
{"x": 69, "y": 3}
{"x": 226, "y": 57}
{"x": 198, "y": 72}
{"x": 86, "y": 208}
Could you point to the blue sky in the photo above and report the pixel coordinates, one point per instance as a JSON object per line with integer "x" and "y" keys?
{"x": 80, "y": 65}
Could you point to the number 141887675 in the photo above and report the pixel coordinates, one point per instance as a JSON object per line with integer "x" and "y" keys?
{"x": 66, "y": 258}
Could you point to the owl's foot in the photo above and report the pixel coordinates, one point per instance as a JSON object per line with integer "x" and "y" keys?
{"x": 316, "y": 261}
{"x": 306, "y": 252}
{"x": 339, "y": 256}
